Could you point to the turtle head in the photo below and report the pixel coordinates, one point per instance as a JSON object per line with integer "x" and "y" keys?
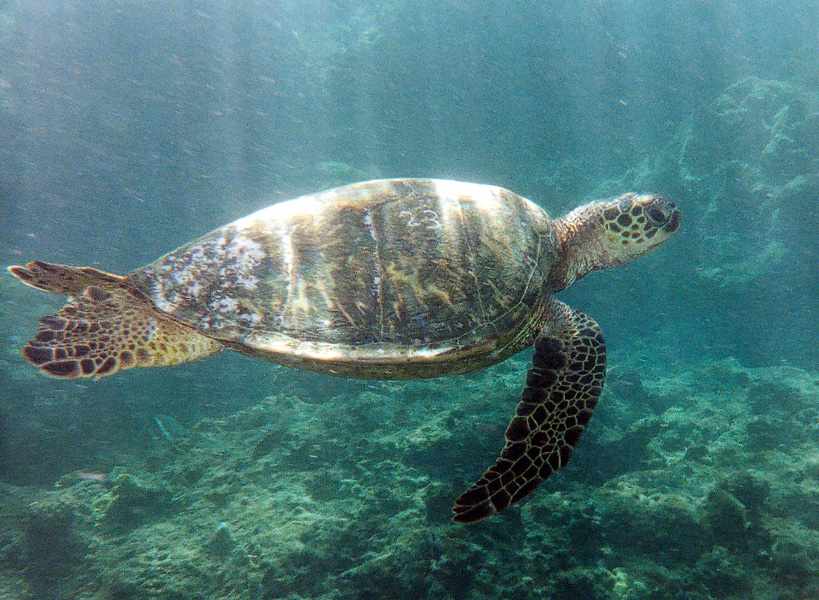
{"x": 610, "y": 233}
{"x": 635, "y": 224}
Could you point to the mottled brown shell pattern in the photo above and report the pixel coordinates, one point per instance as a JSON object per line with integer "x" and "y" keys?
{"x": 387, "y": 269}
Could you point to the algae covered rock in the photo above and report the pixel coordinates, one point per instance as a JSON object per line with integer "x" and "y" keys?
{"x": 51, "y": 543}
{"x": 222, "y": 542}
{"x": 726, "y": 519}
{"x": 405, "y": 570}
{"x": 774, "y": 397}
{"x": 597, "y": 583}
{"x": 130, "y": 501}
{"x": 661, "y": 524}
{"x": 723, "y": 573}
{"x": 762, "y": 124}
{"x": 329, "y": 511}
{"x": 795, "y": 559}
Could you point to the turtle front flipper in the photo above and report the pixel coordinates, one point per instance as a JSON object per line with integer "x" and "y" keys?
{"x": 107, "y": 326}
{"x": 562, "y": 389}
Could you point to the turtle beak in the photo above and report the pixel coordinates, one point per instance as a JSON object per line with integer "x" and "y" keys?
{"x": 664, "y": 213}
{"x": 674, "y": 222}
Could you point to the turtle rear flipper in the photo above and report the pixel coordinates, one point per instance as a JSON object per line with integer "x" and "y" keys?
{"x": 62, "y": 279}
{"x": 106, "y": 326}
{"x": 562, "y": 389}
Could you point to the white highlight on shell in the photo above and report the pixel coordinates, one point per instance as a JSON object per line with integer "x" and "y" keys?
{"x": 179, "y": 278}
{"x": 245, "y": 250}
{"x": 287, "y": 259}
{"x": 376, "y": 287}
{"x": 281, "y": 211}
{"x": 249, "y": 320}
{"x": 248, "y": 282}
{"x": 226, "y": 306}
{"x": 245, "y": 254}
{"x": 278, "y": 344}
{"x": 486, "y": 198}
{"x": 194, "y": 289}
{"x": 158, "y": 297}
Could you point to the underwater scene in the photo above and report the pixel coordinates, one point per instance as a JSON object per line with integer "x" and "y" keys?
{"x": 538, "y": 210}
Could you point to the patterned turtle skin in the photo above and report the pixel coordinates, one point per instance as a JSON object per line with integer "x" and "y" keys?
{"x": 389, "y": 279}
{"x": 404, "y": 278}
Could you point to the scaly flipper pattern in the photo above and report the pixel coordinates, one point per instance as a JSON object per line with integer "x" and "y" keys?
{"x": 107, "y": 326}
{"x": 562, "y": 389}
{"x": 62, "y": 279}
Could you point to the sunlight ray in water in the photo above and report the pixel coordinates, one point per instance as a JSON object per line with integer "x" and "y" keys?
{"x": 366, "y": 235}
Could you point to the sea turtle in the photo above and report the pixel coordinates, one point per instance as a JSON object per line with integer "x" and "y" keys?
{"x": 391, "y": 279}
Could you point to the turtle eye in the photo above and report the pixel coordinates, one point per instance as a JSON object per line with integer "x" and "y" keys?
{"x": 657, "y": 215}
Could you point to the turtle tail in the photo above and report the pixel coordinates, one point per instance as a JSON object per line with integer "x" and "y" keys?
{"x": 108, "y": 325}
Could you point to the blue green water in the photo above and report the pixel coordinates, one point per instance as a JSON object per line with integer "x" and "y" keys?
{"x": 129, "y": 128}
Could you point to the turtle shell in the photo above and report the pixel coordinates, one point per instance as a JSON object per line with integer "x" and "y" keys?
{"x": 386, "y": 278}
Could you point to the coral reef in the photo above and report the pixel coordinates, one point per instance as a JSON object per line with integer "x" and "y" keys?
{"x": 338, "y": 508}
{"x": 130, "y": 501}
{"x": 697, "y": 477}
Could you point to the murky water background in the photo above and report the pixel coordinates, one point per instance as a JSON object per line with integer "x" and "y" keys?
{"x": 129, "y": 128}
